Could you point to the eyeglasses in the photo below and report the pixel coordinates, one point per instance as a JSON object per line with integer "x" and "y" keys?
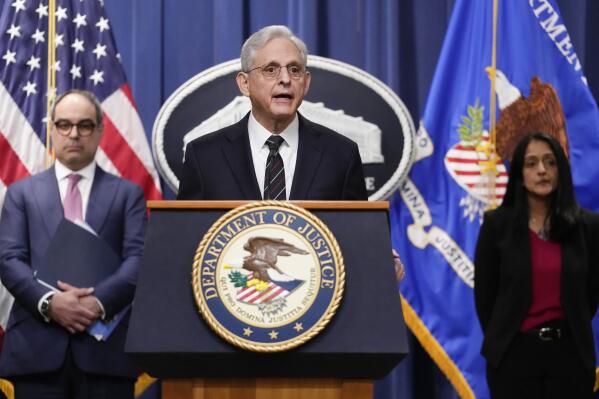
{"x": 84, "y": 128}
{"x": 272, "y": 71}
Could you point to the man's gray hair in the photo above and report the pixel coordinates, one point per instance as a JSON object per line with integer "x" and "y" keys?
{"x": 259, "y": 39}
{"x": 85, "y": 93}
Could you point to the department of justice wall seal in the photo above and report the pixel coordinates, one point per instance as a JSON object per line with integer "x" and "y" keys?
{"x": 268, "y": 276}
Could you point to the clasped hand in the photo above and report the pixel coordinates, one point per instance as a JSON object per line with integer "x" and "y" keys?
{"x": 74, "y": 308}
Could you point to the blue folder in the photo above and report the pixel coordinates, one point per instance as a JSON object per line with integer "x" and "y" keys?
{"x": 80, "y": 258}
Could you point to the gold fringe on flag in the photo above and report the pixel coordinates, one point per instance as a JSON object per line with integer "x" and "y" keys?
{"x": 436, "y": 351}
{"x": 7, "y": 389}
{"x": 142, "y": 383}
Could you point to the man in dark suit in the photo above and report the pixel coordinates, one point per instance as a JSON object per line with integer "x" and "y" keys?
{"x": 47, "y": 352}
{"x": 274, "y": 152}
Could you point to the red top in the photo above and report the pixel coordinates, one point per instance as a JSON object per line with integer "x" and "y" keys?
{"x": 546, "y": 259}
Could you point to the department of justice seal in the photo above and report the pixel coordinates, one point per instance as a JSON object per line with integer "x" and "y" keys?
{"x": 268, "y": 276}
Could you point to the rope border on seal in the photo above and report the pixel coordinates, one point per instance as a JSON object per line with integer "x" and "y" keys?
{"x": 310, "y": 333}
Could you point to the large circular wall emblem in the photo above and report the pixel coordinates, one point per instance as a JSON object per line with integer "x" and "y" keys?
{"x": 341, "y": 97}
{"x": 268, "y": 276}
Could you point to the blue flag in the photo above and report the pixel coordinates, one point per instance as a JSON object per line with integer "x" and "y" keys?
{"x": 436, "y": 214}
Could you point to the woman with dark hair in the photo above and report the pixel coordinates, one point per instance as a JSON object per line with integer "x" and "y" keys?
{"x": 537, "y": 280}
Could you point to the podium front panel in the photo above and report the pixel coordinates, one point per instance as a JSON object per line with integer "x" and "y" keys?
{"x": 168, "y": 337}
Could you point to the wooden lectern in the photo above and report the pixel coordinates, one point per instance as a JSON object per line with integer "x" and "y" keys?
{"x": 169, "y": 339}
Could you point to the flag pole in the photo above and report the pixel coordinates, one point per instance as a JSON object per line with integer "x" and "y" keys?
{"x": 51, "y": 77}
{"x": 492, "y": 111}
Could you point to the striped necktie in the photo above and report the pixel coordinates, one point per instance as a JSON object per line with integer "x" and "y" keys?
{"x": 274, "y": 176}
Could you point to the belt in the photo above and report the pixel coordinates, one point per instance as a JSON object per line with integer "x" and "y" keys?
{"x": 551, "y": 331}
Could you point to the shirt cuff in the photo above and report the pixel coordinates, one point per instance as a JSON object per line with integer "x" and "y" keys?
{"x": 39, "y": 304}
{"x": 103, "y": 315}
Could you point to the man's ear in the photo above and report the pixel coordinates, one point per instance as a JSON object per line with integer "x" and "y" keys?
{"x": 243, "y": 84}
{"x": 308, "y": 79}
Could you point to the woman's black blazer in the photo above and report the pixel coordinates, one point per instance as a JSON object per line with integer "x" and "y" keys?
{"x": 503, "y": 281}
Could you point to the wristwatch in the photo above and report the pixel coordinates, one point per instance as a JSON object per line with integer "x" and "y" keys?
{"x": 45, "y": 307}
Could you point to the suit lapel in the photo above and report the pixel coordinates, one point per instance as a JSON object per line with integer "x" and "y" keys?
{"x": 308, "y": 158}
{"x": 47, "y": 198}
{"x": 238, "y": 154}
{"x": 100, "y": 199}
{"x": 524, "y": 261}
{"x": 573, "y": 252}
{"x": 520, "y": 254}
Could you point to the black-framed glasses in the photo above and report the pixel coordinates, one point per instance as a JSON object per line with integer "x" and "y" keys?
{"x": 85, "y": 127}
{"x": 272, "y": 71}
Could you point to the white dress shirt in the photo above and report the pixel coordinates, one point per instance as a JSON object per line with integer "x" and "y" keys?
{"x": 258, "y": 135}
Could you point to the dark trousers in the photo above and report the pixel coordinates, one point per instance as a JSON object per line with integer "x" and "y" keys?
{"x": 70, "y": 382}
{"x": 536, "y": 369}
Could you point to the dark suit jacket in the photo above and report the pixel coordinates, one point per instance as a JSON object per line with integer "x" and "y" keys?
{"x": 219, "y": 166}
{"x": 503, "y": 281}
{"x": 32, "y": 211}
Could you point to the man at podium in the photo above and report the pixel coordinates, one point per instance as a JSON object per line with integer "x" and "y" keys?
{"x": 47, "y": 351}
{"x": 273, "y": 152}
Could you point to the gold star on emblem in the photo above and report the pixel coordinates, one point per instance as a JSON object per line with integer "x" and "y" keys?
{"x": 247, "y": 331}
{"x": 273, "y": 334}
{"x": 298, "y": 327}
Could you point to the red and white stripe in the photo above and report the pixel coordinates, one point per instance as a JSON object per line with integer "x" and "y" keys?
{"x": 253, "y": 296}
{"x": 21, "y": 150}
{"x": 125, "y": 144}
{"x": 465, "y": 165}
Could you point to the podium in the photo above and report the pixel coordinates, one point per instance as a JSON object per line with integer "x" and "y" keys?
{"x": 169, "y": 339}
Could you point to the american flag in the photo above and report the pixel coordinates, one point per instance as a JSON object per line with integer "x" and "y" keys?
{"x": 271, "y": 291}
{"x": 86, "y": 58}
{"x": 251, "y": 295}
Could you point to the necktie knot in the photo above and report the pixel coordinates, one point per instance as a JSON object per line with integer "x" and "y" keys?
{"x": 74, "y": 179}
{"x": 274, "y": 142}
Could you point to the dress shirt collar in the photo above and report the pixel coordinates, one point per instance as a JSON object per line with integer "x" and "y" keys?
{"x": 62, "y": 172}
{"x": 259, "y": 134}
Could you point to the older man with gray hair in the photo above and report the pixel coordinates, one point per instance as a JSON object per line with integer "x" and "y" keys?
{"x": 273, "y": 152}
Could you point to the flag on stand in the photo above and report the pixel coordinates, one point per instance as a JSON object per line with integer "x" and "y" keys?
{"x": 86, "y": 58}
{"x": 436, "y": 214}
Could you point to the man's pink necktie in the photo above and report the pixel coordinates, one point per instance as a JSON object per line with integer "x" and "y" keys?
{"x": 72, "y": 201}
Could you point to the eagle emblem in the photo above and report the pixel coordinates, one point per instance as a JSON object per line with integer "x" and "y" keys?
{"x": 263, "y": 255}
{"x": 541, "y": 111}
{"x": 261, "y": 282}
{"x": 474, "y": 165}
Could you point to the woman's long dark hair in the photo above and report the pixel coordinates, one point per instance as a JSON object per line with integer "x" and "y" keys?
{"x": 563, "y": 209}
